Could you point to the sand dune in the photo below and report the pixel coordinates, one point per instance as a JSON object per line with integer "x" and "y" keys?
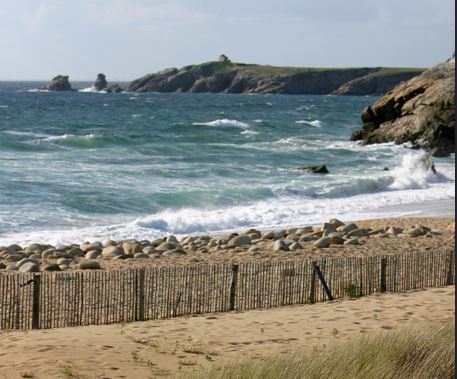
{"x": 162, "y": 348}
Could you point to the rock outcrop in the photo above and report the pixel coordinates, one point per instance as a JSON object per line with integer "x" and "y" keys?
{"x": 59, "y": 83}
{"x": 225, "y": 76}
{"x": 420, "y": 111}
{"x": 100, "y": 83}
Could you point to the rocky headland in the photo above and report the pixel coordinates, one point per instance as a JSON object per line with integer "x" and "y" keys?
{"x": 333, "y": 238}
{"x": 420, "y": 111}
{"x": 224, "y": 76}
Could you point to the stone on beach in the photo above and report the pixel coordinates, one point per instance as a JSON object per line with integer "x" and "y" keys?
{"x": 51, "y": 267}
{"x": 112, "y": 251}
{"x": 322, "y": 242}
{"x": 93, "y": 254}
{"x": 85, "y": 247}
{"x": 239, "y": 241}
{"x": 280, "y": 245}
{"x": 89, "y": 265}
{"x": 29, "y": 266}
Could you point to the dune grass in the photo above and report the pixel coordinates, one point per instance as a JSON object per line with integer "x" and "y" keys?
{"x": 424, "y": 350}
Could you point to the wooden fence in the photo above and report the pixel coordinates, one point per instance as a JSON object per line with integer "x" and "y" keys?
{"x": 49, "y": 300}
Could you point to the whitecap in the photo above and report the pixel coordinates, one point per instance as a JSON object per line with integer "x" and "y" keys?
{"x": 249, "y": 132}
{"x": 4, "y": 106}
{"x": 223, "y": 122}
{"x": 315, "y": 123}
{"x": 69, "y": 136}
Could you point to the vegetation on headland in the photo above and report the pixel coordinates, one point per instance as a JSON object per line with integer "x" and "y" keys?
{"x": 224, "y": 76}
{"x": 424, "y": 350}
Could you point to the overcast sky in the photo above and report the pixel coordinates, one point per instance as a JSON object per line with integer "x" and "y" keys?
{"x": 126, "y": 39}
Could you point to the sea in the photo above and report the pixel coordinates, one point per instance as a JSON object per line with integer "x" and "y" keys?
{"x": 85, "y": 166}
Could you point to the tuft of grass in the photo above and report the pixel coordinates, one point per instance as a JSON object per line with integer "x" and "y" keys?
{"x": 70, "y": 371}
{"x": 27, "y": 374}
{"x": 424, "y": 350}
{"x": 352, "y": 291}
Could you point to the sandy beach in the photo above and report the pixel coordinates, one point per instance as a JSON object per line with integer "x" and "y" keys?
{"x": 163, "y": 348}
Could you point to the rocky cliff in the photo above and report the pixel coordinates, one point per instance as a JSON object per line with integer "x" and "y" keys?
{"x": 420, "y": 111}
{"x": 225, "y": 76}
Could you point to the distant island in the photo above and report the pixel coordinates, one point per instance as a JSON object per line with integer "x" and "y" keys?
{"x": 225, "y": 76}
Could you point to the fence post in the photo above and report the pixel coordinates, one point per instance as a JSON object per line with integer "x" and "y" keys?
{"x": 233, "y": 286}
{"x": 383, "y": 274}
{"x": 139, "y": 294}
{"x": 450, "y": 273}
{"x": 317, "y": 269}
{"x": 312, "y": 291}
{"x": 36, "y": 301}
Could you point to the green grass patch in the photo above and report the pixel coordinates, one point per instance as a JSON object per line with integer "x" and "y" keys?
{"x": 424, "y": 350}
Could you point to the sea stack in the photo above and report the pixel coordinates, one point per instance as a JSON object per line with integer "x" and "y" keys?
{"x": 420, "y": 111}
{"x": 100, "y": 83}
{"x": 59, "y": 83}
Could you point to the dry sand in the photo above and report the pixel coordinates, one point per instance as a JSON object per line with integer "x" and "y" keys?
{"x": 161, "y": 348}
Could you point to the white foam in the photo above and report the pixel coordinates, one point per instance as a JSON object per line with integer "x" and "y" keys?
{"x": 4, "y": 106}
{"x": 413, "y": 173}
{"x": 69, "y": 136}
{"x": 315, "y": 123}
{"x": 249, "y": 132}
{"x": 91, "y": 90}
{"x": 273, "y": 213}
{"x": 223, "y": 122}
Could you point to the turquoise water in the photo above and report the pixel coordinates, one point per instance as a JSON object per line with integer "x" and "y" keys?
{"x": 82, "y": 165}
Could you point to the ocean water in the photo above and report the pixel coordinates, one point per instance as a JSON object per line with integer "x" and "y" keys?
{"x": 90, "y": 166}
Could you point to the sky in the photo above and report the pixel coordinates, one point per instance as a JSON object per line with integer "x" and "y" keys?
{"x": 126, "y": 39}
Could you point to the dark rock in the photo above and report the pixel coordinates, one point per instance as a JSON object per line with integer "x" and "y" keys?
{"x": 59, "y": 83}
{"x": 385, "y": 169}
{"x": 100, "y": 83}
{"x": 420, "y": 111}
{"x": 116, "y": 88}
{"x": 315, "y": 169}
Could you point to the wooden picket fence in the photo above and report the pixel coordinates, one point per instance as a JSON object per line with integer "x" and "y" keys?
{"x": 50, "y": 300}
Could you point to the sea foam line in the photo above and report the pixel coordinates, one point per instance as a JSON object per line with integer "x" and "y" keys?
{"x": 224, "y": 122}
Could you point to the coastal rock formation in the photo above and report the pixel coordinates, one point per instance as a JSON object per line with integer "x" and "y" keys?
{"x": 315, "y": 169}
{"x": 100, "y": 83}
{"x": 116, "y": 88}
{"x": 224, "y": 76}
{"x": 59, "y": 83}
{"x": 420, "y": 111}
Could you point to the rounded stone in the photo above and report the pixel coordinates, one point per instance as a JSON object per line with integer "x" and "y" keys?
{"x": 51, "y": 267}
{"x": 93, "y": 254}
{"x": 352, "y": 241}
{"x": 29, "y": 266}
{"x": 140, "y": 256}
{"x": 89, "y": 265}
{"x": 63, "y": 261}
{"x": 91, "y": 246}
{"x": 322, "y": 242}
{"x": 112, "y": 251}
{"x": 280, "y": 245}
{"x": 239, "y": 241}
